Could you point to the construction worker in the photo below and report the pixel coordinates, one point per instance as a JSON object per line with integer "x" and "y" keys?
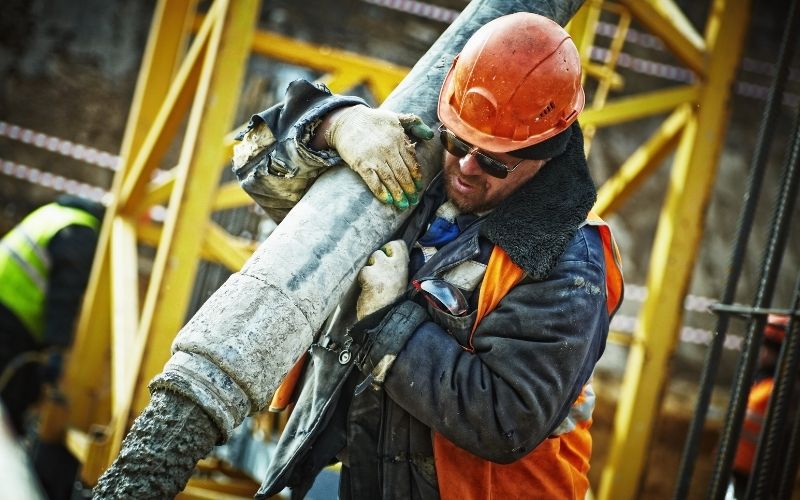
{"x": 44, "y": 266}
{"x": 467, "y": 374}
{"x": 758, "y": 400}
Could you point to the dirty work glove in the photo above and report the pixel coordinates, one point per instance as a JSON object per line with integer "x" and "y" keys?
{"x": 381, "y": 336}
{"x": 373, "y": 142}
{"x": 383, "y": 279}
{"x": 275, "y": 190}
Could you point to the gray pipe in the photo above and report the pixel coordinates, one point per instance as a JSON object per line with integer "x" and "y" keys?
{"x": 231, "y": 356}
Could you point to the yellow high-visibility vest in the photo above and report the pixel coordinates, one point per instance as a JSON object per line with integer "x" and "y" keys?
{"x": 25, "y": 261}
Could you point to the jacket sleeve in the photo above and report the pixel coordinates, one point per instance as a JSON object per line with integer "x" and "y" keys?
{"x": 71, "y": 252}
{"x": 279, "y": 177}
{"x": 532, "y": 356}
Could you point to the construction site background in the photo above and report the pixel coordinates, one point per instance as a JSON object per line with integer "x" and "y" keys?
{"x": 68, "y": 71}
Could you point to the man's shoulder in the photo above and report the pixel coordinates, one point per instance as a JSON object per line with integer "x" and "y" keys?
{"x": 585, "y": 246}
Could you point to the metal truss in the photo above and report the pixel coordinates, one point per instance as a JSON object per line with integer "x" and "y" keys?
{"x": 693, "y": 130}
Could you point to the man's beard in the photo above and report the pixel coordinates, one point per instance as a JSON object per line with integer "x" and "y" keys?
{"x": 475, "y": 203}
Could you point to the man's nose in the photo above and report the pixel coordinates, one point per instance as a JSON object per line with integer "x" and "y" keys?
{"x": 468, "y": 165}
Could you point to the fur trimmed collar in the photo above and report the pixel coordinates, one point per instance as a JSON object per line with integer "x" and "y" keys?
{"x": 535, "y": 224}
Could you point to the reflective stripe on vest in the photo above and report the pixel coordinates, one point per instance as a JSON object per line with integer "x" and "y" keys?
{"x": 25, "y": 262}
{"x": 557, "y": 468}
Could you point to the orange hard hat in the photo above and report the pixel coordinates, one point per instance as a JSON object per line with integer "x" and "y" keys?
{"x": 516, "y": 83}
{"x": 775, "y": 329}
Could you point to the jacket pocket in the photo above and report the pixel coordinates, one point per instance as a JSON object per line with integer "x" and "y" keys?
{"x": 457, "y": 326}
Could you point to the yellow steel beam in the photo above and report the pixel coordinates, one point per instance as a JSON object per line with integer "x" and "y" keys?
{"x": 231, "y": 195}
{"x": 666, "y": 20}
{"x": 154, "y": 146}
{"x": 93, "y": 446}
{"x": 77, "y": 442}
{"x": 158, "y": 191}
{"x": 243, "y": 487}
{"x": 342, "y": 80}
{"x": 620, "y": 338}
{"x": 672, "y": 262}
{"x": 349, "y": 68}
{"x": 53, "y": 418}
{"x": 204, "y": 46}
{"x": 380, "y": 76}
{"x": 125, "y": 306}
{"x": 167, "y": 122}
{"x": 201, "y": 156}
{"x": 170, "y": 114}
{"x": 631, "y": 108}
{"x": 229, "y": 141}
{"x": 713, "y": 25}
{"x": 213, "y": 68}
{"x": 582, "y": 28}
{"x": 150, "y": 234}
{"x": 231, "y": 252}
{"x": 192, "y": 492}
{"x": 604, "y": 73}
{"x": 606, "y": 77}
{"x": 643, "y": 162}
{"x": 88, "y": 401}
{"x": 172, "y": 22}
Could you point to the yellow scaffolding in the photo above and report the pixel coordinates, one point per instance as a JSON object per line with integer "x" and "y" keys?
{"x": 184, "y": 88}
{"x": 192, "y": 88}
{"x": 696, "y": 129}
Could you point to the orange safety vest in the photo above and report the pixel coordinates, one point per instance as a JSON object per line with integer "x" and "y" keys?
{"x": 557, "y": 468}
{"x": 757, "y": 403}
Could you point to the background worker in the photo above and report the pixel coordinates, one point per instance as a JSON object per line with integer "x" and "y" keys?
{"x": 758, "y": 400}
{"x": 472, "y": 380}
{"x": 45, "y": 263}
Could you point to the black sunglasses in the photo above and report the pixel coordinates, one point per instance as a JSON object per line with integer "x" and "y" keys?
{"x": 442, "y": 295}
{"x": 459, "y": 148}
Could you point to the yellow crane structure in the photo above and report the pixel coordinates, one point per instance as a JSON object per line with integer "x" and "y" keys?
{"x": 186, "y": 95}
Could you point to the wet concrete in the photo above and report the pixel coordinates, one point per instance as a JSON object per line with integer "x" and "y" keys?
{"x": 160, "y": 451}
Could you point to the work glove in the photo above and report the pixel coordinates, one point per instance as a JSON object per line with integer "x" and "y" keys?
{"x": 265, "y": 180}
{"x": 381, "y": 336}
{"x": 383, "y": 279}
{"x": 373, "y": 142}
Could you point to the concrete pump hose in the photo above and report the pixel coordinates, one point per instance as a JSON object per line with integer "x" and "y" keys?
{"x": 231, "y": 356}
{"x": 160, "y": 451}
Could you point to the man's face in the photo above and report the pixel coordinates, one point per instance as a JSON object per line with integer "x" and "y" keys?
{"x": 473, "y": 190}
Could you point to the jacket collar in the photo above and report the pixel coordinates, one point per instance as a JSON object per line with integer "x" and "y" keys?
{"x": 535, "y": 224}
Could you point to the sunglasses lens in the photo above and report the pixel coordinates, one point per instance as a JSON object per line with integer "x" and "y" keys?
{"x": 443, "y": 296}
{"x": 460, "y": 149}
{"x": 492, "y": 166}
{"x": 453, "y": 144}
